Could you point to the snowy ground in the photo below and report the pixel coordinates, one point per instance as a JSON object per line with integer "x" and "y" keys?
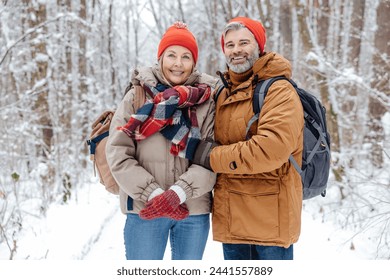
{"x": 90, "y": 228}
{"x": 318, "y": 242}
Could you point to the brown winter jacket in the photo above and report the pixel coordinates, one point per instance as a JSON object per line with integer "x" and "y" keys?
{"x": 141, "y": 167}
{"x": 258, "y": 194}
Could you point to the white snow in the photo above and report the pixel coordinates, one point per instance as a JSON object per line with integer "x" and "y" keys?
{"x": 90, "y": 228}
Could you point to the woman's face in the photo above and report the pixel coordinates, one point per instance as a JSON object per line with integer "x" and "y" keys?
{"x": 177, "y": 64}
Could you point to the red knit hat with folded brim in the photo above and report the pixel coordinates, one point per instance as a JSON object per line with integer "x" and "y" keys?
{"x": 255, "y": 27}
{"x": 178, "y": 34}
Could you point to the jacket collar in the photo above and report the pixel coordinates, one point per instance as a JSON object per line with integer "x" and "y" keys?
{"x": 267, "y": 66}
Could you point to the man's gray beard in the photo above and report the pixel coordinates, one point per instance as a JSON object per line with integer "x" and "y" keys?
{"x": 243, "y": 67}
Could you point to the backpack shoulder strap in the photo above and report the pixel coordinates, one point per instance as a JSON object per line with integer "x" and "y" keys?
{"x": 296, "y": 165}
{"x": 259, "y": 95}
{"x": 139, "y": 97}
{"x": 261, "y": 91}
{"x": 218, "y": 92}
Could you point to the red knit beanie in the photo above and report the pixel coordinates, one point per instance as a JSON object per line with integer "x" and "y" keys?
{"x": 255, "y": 27}
{"x": 178, "y": 34}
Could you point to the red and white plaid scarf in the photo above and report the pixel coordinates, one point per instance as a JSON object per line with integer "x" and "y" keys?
{"x": 172, "y": 112}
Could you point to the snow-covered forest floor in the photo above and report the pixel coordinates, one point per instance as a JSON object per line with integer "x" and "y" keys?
{"x": 90, "y": 227}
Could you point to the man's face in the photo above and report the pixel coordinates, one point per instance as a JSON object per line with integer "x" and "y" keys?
{"x": 241, "y": 50}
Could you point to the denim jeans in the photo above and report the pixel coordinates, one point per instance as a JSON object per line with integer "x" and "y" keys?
{"x": 147, "y": 239}
{"x": 256, "y": 252}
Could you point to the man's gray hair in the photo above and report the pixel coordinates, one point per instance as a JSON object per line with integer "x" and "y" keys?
{"x": 241, "y": 68}
{"x": 232, "y": 26}
{"x": 236, "y": 26}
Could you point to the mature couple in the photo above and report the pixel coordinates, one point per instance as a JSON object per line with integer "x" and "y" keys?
{"x": 183, "y": 155}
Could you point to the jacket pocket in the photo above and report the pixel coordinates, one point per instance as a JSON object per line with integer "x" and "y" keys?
{"x": 254, "y": 209}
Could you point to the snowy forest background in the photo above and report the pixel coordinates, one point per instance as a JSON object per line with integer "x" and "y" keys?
{"x": 63, "y": 62}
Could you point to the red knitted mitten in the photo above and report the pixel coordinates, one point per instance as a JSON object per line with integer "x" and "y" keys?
{"x": 180, "y": 213}
{"x": 166, "y": 204}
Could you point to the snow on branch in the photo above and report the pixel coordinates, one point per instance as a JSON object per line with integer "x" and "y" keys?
{"x": 36, "y": 29}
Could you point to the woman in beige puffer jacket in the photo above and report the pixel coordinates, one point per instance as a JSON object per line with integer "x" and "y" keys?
{"x": 162, "y": 194}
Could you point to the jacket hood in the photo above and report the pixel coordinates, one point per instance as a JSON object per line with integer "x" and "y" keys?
{"x": 272, "y": 65}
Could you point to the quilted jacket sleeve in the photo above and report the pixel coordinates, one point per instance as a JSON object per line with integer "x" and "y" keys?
{"x": 120, "y": 152}
{"x": 278, "y": 131}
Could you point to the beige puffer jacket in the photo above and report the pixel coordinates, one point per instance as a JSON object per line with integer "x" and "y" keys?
{"x": 143, "y": 166}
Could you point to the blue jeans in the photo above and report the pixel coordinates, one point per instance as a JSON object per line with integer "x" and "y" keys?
{"x": 256, "y": 252}
{"x": 147, "y": 239}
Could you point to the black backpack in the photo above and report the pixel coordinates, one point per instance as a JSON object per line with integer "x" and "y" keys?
{"x": 316, "y": 140}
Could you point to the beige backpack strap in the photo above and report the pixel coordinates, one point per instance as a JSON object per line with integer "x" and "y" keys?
{"x": 139, "y": 97}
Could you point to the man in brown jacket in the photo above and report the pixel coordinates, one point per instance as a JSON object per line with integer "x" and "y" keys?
{"x": 258, "y": 194}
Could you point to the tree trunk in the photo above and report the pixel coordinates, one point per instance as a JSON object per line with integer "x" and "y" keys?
{"x": 350, "y": 106}
{"x": 69, "y": 66}
{"x": 380, "y": 82}
{"x": 285, "y": 27}
{"x": 40, "y": 89}
{"x": 38, "y": 80}
{"x": 83, "y": 86}
{"x": 320, "y": 78}
{"x": 266, "y": 19}
{"x": 110, "y": 49}
{"x": 211, "y": 39}
{"x": 136, "y": 24}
